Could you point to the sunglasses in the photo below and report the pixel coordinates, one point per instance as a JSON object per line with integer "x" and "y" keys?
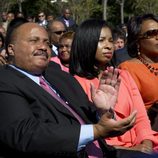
{"x": 40, "y": 16}
{"x": 149, "y": 34}
{"x": 59, "y": 32}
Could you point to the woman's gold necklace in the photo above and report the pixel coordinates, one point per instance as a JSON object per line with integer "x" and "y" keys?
{"x": 149, "y": 66}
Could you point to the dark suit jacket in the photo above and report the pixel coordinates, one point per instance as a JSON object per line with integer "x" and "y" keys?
{"x": 32, "y": 121}
{"x": 72, "y": 23}
{"x": 120, "y": 56}
{"x": 53, "y": 54}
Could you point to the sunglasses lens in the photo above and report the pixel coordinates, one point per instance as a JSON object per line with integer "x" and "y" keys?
{"x": 41, "y": 16}
{"x": 150, "y": 34}
{"x": 59, "y": 32}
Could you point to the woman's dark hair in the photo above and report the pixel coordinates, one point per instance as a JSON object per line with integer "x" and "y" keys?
{"x": 2, "y": 39}
{"x": 134, "y": 29}
{"x": 84, "y": 46}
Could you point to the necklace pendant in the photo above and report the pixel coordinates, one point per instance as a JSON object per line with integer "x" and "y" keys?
{"x": 151, "y": 70}
{"x": 156, "y": 73}
{"x": 148, "y": 66}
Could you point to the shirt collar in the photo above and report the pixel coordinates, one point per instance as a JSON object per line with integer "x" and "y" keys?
{"x": 32, "y": 77}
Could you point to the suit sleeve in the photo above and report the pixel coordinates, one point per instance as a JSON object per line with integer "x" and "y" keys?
{"x": 23, "y": 129}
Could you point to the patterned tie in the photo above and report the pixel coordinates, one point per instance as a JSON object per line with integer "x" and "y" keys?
{"x": 93, "y": 148}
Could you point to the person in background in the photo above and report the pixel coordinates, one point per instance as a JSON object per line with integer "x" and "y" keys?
{"x": 120, "y": 54}
{"x": 3, "y": 53}
{"x": 55, "y": 30}
{"x": 20, "y": 15}
{"x": 124, "y": 28}
{"x": 2, "y": 30}
{"x": 53, "y": 123}
{"x": 142, "y": 46}
{"x": 119, "y": 39}
{"x": 42, "y": 19}
{"x": 87, "y": 65}
{"x": 10, "y": 17}
{"x": 2, "y": 42}
{"x": 4, "y": 16}
{"x": 30, "y": 18}
{"x": 67, "y": 20}
{"x": 50, "y": 17}
{"x": 63, "y": 57}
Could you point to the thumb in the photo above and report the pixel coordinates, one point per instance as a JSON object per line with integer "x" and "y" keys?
{"x": 93, "y": 90}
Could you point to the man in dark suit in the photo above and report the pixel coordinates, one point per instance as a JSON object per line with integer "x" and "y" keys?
{"x": 67, "y": 20}
{"x": 33, "y": 123}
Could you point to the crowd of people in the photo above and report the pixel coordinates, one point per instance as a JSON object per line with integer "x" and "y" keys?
{"x": 66, "y": 91}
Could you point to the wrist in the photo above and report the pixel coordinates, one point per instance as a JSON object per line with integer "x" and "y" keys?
{"x": 110, "y": 113}
{"x": 97, "y": 131}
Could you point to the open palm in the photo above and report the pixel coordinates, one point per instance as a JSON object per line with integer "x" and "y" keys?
{"x": 105, "y": 96}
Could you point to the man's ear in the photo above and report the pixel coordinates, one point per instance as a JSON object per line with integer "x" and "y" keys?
{"x": 11, "y": 49}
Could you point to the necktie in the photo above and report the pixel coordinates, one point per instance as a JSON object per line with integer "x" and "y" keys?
{"x": 46, "y": 86}
{"x": 93, "y": 148}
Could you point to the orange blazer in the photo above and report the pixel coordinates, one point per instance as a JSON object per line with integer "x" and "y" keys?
{"x": 146, "y": 81}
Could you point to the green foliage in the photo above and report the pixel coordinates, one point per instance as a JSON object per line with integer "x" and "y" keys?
{"x": 145, "y": 6}
{"x": 83, "y": 9}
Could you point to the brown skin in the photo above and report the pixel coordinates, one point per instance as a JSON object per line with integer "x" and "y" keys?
{"x": 64, "y": 51}
{"x": 146, "y": 146}
{"x": 105, "y": 48}
{"x": 30, "y": 48}
{"x": 56, "y": 26}
{"x": 67, "y": 14}
{"x": 3, "y": 60}
{"x": 149, "y": 47}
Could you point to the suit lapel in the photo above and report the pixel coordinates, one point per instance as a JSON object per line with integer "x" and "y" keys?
{"x": 30, "y": 87}
{"x": 67, "y": 86}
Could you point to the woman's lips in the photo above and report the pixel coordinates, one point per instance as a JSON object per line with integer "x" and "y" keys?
{"x": 108, "y": 54}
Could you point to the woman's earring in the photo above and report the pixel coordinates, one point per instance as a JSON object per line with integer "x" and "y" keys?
{"x": 138, "y": 51}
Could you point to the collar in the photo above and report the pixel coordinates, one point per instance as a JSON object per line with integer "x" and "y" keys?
{"x": 32, "y": 77}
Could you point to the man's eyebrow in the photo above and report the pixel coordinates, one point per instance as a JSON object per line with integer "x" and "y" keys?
{"x": 37, "y": 37}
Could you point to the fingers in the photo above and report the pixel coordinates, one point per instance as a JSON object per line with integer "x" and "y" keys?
{"x": 110, "y": 77}
{"x": 93, "y": 90}
{"x": 2, "y": 60}
{"x": 128, "y": 122}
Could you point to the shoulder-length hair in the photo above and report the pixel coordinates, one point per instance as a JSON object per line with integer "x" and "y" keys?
{"x": 84, "y": 47}
{"x": 134, "y": 29}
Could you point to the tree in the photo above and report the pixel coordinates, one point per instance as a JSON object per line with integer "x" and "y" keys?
{"x": 145, "y": 6}
{"x": 114, "y": 11}
{"x": 7, "y": 5}
{"x": 105, "y": 9}
{"x": 83, "y": 9}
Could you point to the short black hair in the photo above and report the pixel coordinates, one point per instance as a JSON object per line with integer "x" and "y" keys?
{"x": 13, "y": 25}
